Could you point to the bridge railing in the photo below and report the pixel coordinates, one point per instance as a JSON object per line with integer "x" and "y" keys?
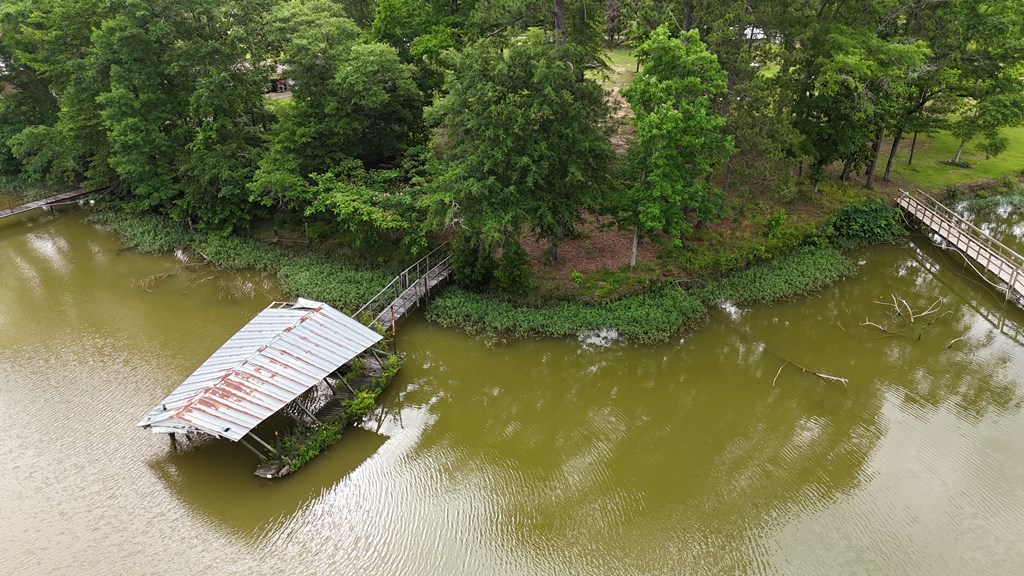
{"x": 12, "y": 201}
{"x": 979, "y": 235}
{"x": 418, "y": 272}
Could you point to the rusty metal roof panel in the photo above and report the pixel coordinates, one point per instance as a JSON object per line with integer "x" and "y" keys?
{"x": 285, "y": 350}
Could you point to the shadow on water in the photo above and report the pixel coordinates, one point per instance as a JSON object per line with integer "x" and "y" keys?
{"x": 215, "y": 481}
{"x": 961, "y": 365}
{"x": 639, "y": 460}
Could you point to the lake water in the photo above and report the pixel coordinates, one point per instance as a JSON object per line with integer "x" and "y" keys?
{"x": 719, "y": 453}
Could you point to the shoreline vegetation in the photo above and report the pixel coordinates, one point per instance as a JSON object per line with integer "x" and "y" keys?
{"x": 315, "y": 275}
{"x": 801, "y": 264}
{"x": 661, "y": 310}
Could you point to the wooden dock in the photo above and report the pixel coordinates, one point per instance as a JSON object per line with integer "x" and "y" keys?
{"x": 995, "y": 258}
{"x": 408, "y": 289}
{"x": 10, "y": 208}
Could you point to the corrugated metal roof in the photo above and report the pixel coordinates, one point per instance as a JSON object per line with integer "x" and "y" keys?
{"x": 282, "y": 352}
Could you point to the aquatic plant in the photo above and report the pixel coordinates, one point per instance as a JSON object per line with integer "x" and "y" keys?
{"x": 800, "y": 272}
{"x": 147, "y": 233}
{"x": 651, "y": 317}
{"x": 322, "y": 437}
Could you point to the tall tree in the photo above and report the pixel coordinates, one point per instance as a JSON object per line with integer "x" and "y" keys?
{"x": 680, "y": 139}
{"x": 986, "y": 74}
{"x": 350, "y": 100}
{"x": 520, "y": 142}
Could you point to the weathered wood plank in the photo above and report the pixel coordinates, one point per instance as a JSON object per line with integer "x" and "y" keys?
{"x": 415, "y": 293}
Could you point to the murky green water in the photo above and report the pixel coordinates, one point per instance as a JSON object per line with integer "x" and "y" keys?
{"x": 543, "y": 457}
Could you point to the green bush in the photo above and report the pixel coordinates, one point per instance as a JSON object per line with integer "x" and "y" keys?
{"x": 235, "y": 252}
{"x": 388, "y": 371}
{"x": 361, "y": 404}
{"x": 868, "y": 222}
{"x": 473, "y": 264}
{"x": 338, "y": 284}
{"x": 513, "y": 273}
{"x": 322, "y": 437}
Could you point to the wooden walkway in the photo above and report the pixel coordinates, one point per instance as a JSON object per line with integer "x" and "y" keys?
{"x": 993, "y": 256}
{"x": 408, "y": 288}
{"x": 11, "y": 208}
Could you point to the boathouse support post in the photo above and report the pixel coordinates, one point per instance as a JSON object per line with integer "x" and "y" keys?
{"x": 174, "y": 441}
{"x": 347, "y": 385}
{"x": 375, "y": 357}
{"x": 308, "y": 413}
{"x": 264, "y": 444}
{"x": 258, "y": 454}
{"x": 394, "y": 337}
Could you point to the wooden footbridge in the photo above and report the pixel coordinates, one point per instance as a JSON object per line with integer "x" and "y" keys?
{"x": 19, "y": 205}
{"x": 407, "y": 289}
{"x": 993, "y": 256}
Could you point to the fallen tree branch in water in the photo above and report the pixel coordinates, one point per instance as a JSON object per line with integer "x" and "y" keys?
{"x": 867, "y": 323}
{"x": 901, "y": 309}
{"x": 955, "y": 340}
{"x": 806, "y": 370}
{"x": 148, "y": 282}
{"x": 786, "y": 361}
{"x": 779, "y": 372}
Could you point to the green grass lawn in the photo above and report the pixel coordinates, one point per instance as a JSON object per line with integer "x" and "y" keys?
{"x": 622, "y": 64}
{"x": 770, "y": 69}
{"x": 930, "y": 174}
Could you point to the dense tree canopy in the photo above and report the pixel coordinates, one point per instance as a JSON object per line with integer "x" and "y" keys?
{"x": 521, "y": 141}
{"x": 165, "y": 101}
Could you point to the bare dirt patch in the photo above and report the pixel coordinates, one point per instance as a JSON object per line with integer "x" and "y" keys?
{"x": 597, "y": 246}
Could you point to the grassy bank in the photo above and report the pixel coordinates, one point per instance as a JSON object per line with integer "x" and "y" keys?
{"x": 647, "y": 318}
{"x": 931, "y": 170}
{"x": 651, "y": 317}
{"x": 310, "y": 275}
{"x": 784, "y": 262}
{"x": 800, "y": 272}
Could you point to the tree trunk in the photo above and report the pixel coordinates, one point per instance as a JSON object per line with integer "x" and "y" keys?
{"x": 845, "y": 175}
{"x": 636, "y": 243}
{"x": 892, "y": 155}
{"x": 913, "y": 146}
{"x": 728, "y": 176}
{"x": 959, "y": 150}
{"x": 560, "y": 30}
{"x": 875, "y": 150}
{"x": 688, "y": 16}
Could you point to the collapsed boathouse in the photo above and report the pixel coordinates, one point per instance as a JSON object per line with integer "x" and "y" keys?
{"x": 289, "y": 357}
